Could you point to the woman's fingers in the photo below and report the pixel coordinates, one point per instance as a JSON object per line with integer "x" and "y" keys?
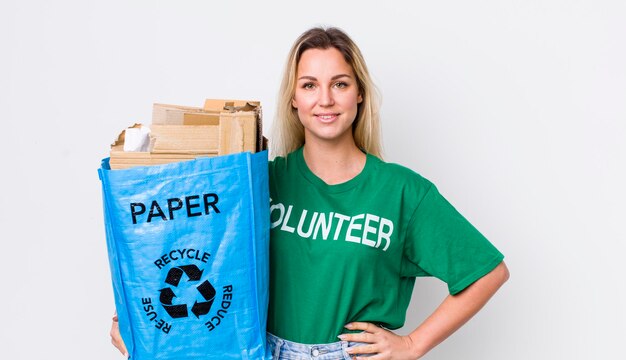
{"x": 365, "y": 326}
{"x": 362, "y": 337}
{"x": 116, "y": 337}
{"x": 367, "y": 337}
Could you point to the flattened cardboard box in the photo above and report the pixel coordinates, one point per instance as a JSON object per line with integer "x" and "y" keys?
{"x": 181, "y": 133}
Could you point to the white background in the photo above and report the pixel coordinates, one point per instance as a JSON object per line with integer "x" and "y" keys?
{"x": 515, "y": 109}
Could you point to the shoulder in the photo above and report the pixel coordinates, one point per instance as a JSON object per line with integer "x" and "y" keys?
{"x": 279, "y": 162}
{"x": 401, "y": 175}
{"x": 282, "y": 166}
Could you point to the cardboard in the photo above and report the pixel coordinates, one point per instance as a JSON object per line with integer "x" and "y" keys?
{"x": 180, "y": 133}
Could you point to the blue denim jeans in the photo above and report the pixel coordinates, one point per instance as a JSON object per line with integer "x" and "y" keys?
{"x": 288, "y": 350}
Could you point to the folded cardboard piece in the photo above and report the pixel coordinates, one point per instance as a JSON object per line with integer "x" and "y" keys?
{"x": 179, "y": 133}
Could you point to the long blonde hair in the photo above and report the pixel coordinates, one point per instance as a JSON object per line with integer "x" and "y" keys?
{"x": 288, "y": 132}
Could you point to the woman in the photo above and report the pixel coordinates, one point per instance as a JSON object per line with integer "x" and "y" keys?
{"x": 349, "y": 232}
{"x": 359, "y": 230}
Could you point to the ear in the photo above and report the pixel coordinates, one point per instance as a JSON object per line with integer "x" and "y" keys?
{"x": 293, "y": 103}
{"x": 359, "y": 99}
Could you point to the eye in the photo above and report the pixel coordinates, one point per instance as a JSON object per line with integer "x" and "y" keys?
{"x": 308, "y": 86}
{"x": 341, "y": 85}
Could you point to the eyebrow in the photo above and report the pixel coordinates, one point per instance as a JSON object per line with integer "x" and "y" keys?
{"x": 306, "y": 77}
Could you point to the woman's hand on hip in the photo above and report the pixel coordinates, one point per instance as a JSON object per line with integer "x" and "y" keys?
{"x": 379, "y": 343}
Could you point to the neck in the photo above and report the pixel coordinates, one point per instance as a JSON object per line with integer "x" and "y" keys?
{"x": 334, "y": 163}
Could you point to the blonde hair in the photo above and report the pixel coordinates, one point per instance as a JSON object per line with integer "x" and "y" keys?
{"x": 288, "y": 132}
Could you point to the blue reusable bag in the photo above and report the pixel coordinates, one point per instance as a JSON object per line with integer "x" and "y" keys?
{"x": 188, "y": 249}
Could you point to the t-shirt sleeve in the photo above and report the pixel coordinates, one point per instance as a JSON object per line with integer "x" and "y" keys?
{"x": 440, "y": 242}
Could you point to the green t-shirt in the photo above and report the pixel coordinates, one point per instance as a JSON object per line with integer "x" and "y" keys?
{"x": 351, "y": 251}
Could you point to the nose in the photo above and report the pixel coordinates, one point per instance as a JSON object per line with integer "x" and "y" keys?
{"x": 326, "y": 97}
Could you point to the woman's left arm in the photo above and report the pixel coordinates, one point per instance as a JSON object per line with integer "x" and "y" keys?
{"x": 451, "y": 314}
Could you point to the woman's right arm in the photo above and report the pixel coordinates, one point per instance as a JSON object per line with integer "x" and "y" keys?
{"x": 116, "y": 338}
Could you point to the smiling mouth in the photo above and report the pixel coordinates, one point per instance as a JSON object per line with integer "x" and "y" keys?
{"x": 327, "y": 117}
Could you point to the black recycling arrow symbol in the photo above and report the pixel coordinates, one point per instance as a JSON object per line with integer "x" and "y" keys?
{"x": 192, "y": 272}
{"x": 173, "y": 276}
{"x": 175, "y": 273}
{"x": 201, "y": 308}
{"x": 176, "y": 311}
{"x": 208, "y": 293}
{"x": 166, "y": 296}
{"x": 206, "y": 290}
